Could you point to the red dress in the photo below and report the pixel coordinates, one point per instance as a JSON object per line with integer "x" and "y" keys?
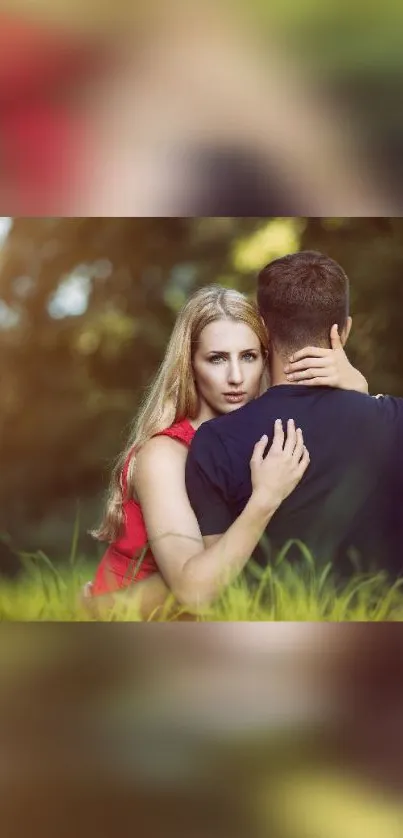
{"x": 128, "y": 559}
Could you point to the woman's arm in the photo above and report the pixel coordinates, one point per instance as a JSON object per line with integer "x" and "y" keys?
{"x": 195, "y": 574}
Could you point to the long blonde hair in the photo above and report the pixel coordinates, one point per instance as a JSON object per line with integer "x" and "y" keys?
{"x": 172, "y": 395}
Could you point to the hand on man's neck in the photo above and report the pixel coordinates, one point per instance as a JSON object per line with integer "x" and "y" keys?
{"x": 276, "y": 370}
{"x": 279, "y": 361}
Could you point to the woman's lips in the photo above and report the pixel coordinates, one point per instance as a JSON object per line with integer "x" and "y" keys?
{"x": 234, "y": 397}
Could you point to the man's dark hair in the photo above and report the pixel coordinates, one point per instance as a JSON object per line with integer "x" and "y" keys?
{"x": 300, "y": 297}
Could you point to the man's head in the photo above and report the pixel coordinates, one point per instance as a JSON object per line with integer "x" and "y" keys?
{"x": 300, "y": 297}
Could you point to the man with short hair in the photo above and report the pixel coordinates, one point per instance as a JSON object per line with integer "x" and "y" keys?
{"x": 347, "y": 507}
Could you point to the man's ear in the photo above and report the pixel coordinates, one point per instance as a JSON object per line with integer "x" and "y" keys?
{"x": 346, "y": 331}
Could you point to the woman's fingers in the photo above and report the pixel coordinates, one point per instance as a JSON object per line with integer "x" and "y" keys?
{"x": 291, "y": 445}
{"x": 259, "y": 448}
{"x": 308, "y": 352}
{"x": 309, "y": 374}
{"x": 304, "y": 462}
{"x": 316, "y": 363}
{"x": 291, "y": 440}
{"x": 279, "y": 436}
{"x": 299, "y": 445}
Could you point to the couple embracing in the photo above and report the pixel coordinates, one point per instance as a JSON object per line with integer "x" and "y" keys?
{"x": 255, "y": 425}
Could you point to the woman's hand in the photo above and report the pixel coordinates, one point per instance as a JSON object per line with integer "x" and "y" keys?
{"x": 275, "y": 476}
{"x": 325, "y": 367}
{"x": 95, "y": 607}
{"x": 148, "y": 599}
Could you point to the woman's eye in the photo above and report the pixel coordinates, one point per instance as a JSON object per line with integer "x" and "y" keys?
{"x": 216, "y": 359}
{"x": 249, "y": 356}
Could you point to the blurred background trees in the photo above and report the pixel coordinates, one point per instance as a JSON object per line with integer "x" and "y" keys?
{"x": 86, "y": 308}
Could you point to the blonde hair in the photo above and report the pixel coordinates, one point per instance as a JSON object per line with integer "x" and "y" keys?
{"x": 172, "y": 395}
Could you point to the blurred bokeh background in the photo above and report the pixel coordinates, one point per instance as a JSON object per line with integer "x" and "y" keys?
{"x": 182, "y": 108}
{"x": 243, "y": 730}
{"x": 86, "y": 308}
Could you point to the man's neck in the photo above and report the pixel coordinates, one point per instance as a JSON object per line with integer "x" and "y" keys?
{"x": 276, "y": 371}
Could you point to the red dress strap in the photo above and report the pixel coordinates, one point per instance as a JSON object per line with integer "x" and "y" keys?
{"x": 182, "y": 431}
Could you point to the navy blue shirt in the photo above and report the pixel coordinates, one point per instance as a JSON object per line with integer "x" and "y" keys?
{"x": 346, "y": 509}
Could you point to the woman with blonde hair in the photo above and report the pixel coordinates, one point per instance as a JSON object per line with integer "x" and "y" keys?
{"x": 215, "y": 363}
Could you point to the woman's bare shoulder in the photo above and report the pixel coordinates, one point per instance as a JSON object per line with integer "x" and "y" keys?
{"x": 161, "y": 450}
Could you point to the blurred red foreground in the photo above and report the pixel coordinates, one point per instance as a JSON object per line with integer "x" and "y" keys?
{"x": 41, "y": 125}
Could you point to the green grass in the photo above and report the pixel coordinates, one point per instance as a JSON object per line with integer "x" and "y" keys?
{"x": 285, "y": 592}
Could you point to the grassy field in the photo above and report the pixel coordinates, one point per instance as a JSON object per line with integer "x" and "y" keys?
{"x": 50, "y": 592}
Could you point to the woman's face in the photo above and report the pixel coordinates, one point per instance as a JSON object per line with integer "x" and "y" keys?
{"x": 228, "y": 366}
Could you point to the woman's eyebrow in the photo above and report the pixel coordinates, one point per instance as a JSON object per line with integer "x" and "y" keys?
{"x": 223, "y": 351}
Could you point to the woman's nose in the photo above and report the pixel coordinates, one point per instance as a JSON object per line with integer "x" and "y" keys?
{"x": 235, "y": 373}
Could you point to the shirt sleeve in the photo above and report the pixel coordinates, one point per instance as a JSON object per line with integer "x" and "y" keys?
{"x": 207, "y": 482}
